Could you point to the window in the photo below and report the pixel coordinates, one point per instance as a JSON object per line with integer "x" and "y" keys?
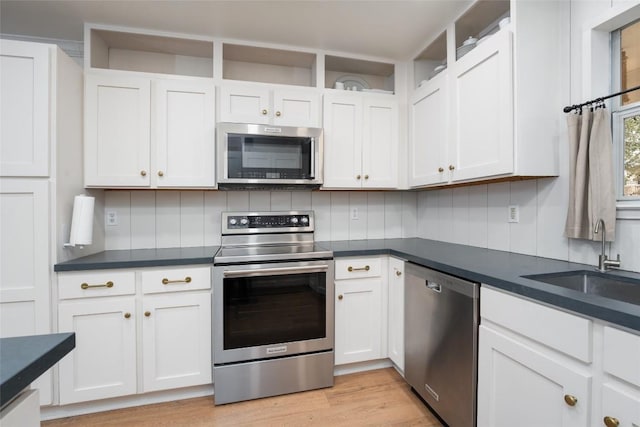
{"x": 626, "y": 117}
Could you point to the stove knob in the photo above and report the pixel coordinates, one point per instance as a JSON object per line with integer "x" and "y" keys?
{"x": 305, "y": 220}
{"x": 244, "y": 221}
{"x": 294, "y": 220}
{"x": 232, "y": 221}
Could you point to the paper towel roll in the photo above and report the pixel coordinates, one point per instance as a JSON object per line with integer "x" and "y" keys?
{"x": 82, "y": 221}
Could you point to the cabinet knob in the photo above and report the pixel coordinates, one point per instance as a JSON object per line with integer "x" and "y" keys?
{"x": 160, "y": 173}
{"x": 440, "y": 169}
{"x": 127, "y": 315}
{"x": 340, "y": 297}
{"x": 358, "y": 177}
{"x": 451, "y": 167}
{"x": 366, "y": 177}
{"x": 398, "y": 273}
{"x": 147, "y": 313}
{"x": 143, "y": 173}
{"x": 611, "y": 421}
{"x": 570, "y": 400}
{"x": 278, "y": 113}
{"x": 264, "y": 112}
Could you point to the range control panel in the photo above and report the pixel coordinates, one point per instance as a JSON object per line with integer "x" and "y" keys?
{"x": 267, "y": 222}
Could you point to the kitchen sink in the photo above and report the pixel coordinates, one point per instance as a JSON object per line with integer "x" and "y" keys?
{"x": 606, "y": 285}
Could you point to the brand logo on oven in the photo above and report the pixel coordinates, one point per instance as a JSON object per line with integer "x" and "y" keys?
{"x": 276, "y": 350}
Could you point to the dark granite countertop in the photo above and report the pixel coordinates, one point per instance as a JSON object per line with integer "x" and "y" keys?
{"x": 24, "y": 359}
{"x": 501, "y": 270}
{"x": 140, "y": 258}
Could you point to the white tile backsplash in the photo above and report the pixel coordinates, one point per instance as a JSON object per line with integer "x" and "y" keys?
{"x": 164, "y": 219}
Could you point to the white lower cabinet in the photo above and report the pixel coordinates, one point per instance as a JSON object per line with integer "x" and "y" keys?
{"x": 176, "y": 335}
{"x": 521, "y": 386}
{"x": 562, "y": 369}
{"x": 395, "y": 330}
{"x": 153, "y": 324}
{"x": 103, "y": 363}
{"x": 360, "y": 286}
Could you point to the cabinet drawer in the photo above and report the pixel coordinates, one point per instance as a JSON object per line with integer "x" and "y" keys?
{"x": 622, "y": 354}
{"x": 101, "y": 283}
{"x": 565, "y": 332}
{"x": 175, "y": 279}
{"x": 356, "y": 268}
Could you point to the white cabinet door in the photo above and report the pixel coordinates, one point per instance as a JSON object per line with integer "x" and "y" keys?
{"x": 483, "y": 118}
{"x": 619, "y": 405}
{"x": 184, "y": 133}
{"x": 103, "y": 364}
{"x": 296, "y": 108}
{"x": 395, "y": 347}
{"x": 24, "y": 264}
{"x": 24, "y": 110}
{"x": 358, "y": 320}
{"x": 520, "y": 386}
{"x": 380, "y": 143}
{"x": 176, "y": 330}
{"x": 343, "y": 123}
{"x": 117, "y": 131}
{"x": 244, "y": 104}
{"x": 428, "y": 150}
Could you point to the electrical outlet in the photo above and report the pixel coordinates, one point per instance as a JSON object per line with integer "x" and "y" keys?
{"x": 354, "y": 214}
{"x": 112, "y": 218}
{"x": 514, "y": 213}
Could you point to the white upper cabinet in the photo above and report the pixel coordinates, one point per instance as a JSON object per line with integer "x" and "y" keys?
{"x": 184, "y": 137}
{"x": 248, "y": 103}
{"x": 482, "y": 143}
{"x": 430, "y": 128}
{"x": 127, "y": 146}
{"x": 24, "y": 110}
{"x": 485, "y": 110}
{"x": 361, "y": 141}
{"x": 117, "y": 130}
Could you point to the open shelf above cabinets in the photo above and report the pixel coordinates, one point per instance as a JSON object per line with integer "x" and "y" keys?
{"x": 359, "y": 74}
{"x": 483, "y": 19}
{"x": 268, "y": 65}
{"x": 151, "y": 53}
{"x": 431, "y": 61}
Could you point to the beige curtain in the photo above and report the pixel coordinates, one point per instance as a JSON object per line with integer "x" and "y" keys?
{"x": 591, "y": 189}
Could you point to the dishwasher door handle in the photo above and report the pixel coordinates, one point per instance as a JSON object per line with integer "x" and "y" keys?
{"x": 433, "y": 286}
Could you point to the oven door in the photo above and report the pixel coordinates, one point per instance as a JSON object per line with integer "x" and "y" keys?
{"x": 271, "y": 310}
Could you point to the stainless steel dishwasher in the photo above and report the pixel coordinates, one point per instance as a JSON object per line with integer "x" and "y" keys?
{"x": 441, "y": 342}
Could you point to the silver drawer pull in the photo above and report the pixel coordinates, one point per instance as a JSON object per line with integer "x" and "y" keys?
{"x": 365, "y": 268}
{"x": 166, "y": 281}
{"x": 109, "y": 284}
{"x": 433, "y": 286}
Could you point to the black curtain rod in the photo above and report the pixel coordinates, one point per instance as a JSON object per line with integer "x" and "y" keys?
{"x": 593, "y": 101}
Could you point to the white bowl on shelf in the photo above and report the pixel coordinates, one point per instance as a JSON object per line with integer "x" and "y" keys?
{"x": 504, "y": 22}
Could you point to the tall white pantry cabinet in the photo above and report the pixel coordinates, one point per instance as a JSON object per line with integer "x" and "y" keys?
{"x": 40, "y": 166}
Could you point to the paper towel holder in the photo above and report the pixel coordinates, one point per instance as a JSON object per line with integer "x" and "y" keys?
{"x": 81, "y": 230}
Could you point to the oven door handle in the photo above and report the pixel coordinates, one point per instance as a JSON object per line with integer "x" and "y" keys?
{"x": 277, "y": 270}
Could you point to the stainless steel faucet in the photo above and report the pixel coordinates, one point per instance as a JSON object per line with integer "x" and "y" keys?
{"x": 604, "y": 263}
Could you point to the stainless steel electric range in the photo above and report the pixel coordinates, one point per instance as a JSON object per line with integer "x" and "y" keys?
{"x": 273, "y": 307}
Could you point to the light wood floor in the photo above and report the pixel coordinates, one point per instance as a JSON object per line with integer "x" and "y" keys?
{"x": 380, "y": 398}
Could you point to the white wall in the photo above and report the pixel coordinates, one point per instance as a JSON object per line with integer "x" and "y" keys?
{"x": 164, "y": 219}
{"x": 478, "y": 215}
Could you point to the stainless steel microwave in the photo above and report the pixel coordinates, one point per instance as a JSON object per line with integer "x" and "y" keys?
{"x": 254, "y": 156}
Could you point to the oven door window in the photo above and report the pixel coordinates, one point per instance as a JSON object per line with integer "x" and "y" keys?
{"x": 265, "y": 310}
{"x": 269, "y": 157}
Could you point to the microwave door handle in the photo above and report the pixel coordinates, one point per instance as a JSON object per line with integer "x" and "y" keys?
{"x": 278, "y": 270}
